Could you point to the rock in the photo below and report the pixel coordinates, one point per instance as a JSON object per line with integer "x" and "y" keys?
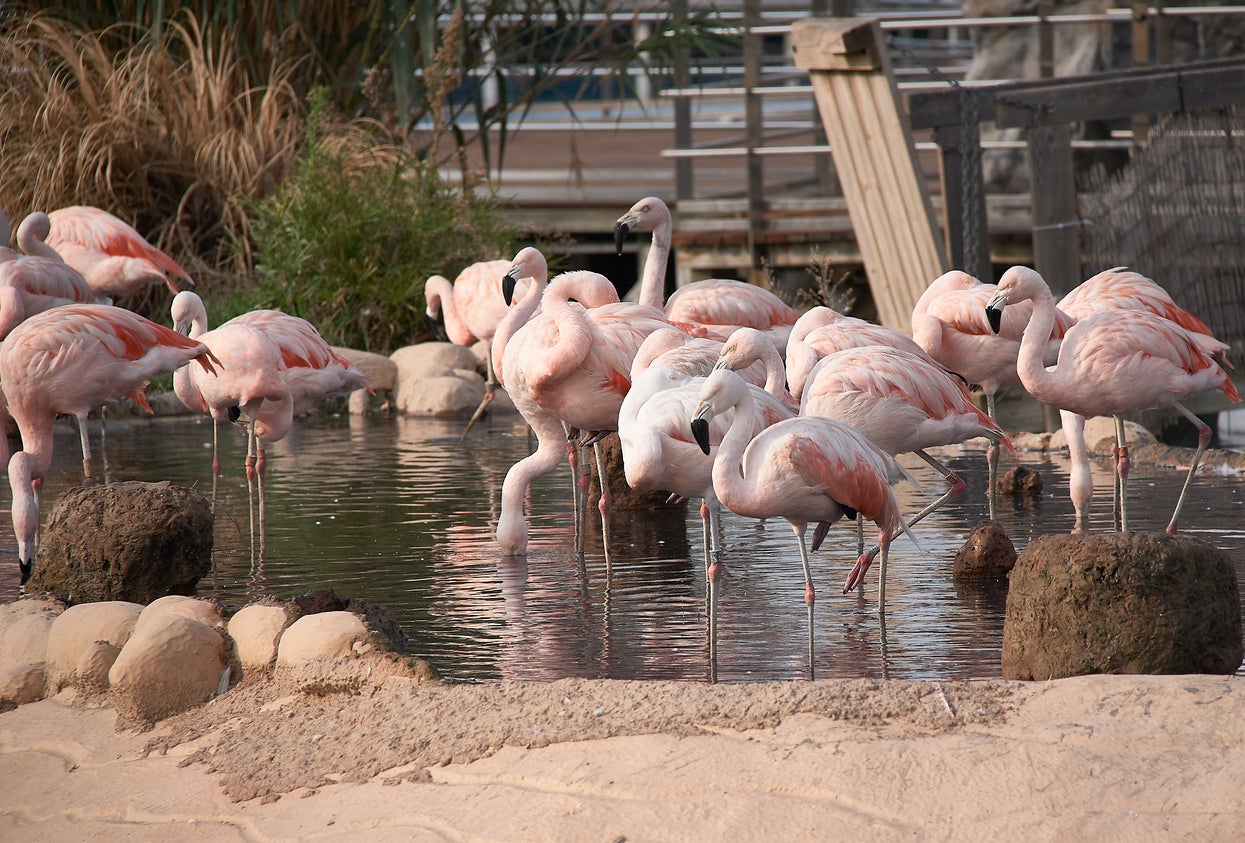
{"x": 988, "y": 553}
{"x": 168, "y": 666}
{"x": 21, "y": 683}
{"x": 256, "y": 630}
{"x": 78, "y": 629}
{"x": 12, "y": 612}
{"x": 26, "y": 639}
{"x": 326, "y": 635}
{"x": 175, "y": 604}
{"x": 1020, "y": 481}
{"x": 1121, "y": 603}
{"x": 92, "y": 669}
{"x": 1027, "y": 441}
{"x": 128, "y": 541}
{"x": 320, "y": 600}
{"x": 1100, "y": 435}
{"x": 440, "y": 396}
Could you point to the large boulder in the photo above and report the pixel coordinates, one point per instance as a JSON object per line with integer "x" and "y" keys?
{"x": 1121, "y": 603}
{"x": 128, "y": 541}
{"x": 437, "y": 379}
{"x": 79, "y": 629}
{"x": 203, "y": 611}
{"x": 325, "y": 635}
{"x": 256, "y": 631}
{"x": 167, "y": 666}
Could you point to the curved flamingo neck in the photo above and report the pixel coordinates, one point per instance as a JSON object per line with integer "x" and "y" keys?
{"x": 550, "y": 438}
{"x": 31, "y": 234}
{"x": 516, "y": 317}
{"x": 439, "y": 295}
{"x": 653, "y": 280}
{"x": 1037, "y": 379}
{"x": 729, "y": 482}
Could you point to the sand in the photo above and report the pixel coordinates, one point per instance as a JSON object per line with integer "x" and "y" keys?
{"x": 388, "y": 757}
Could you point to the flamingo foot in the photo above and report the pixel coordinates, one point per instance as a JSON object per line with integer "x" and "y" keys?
{"x": 857, "y": 574}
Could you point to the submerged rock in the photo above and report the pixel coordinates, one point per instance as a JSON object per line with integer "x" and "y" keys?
{"x": 1121, "y": 603}
{"x": 130, "y": 541}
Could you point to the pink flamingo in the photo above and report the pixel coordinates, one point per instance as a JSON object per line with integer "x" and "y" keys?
{"x": 569, "y": 365}
{"x": 822, "y": 330}
{"x": 472, "y": 307}
{"x": 902, "y": 402}
{"x": 35, "y": 282}
{"x": 70, "y": 360}
{"x": 949, "y": 322}
{"x": 114, "y": 258}
{"x": 659, "y": 452}
{"x": 717, "y": 304}
{"x": 1113, "y": 362}
{"x": 803, "y": 469}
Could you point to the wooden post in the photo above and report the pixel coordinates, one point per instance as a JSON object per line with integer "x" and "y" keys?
{"x": 1052, "y": 187}
{"x": 753, "y": 120}
{"x": 683, "y": 185}
{"x": 875, "y": 158}
{"x": 1140, "y": 32}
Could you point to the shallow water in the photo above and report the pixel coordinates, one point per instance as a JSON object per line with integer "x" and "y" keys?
{"x": 400, "y": 512}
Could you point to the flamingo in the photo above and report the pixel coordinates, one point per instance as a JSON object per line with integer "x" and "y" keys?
{"x": 569, "y": 364}
{"x": 717, "y": 304}
{"x": 949, "y": 322}
{"x": 822, "y": 330}
{"x": 1115, "y": 289}
{"x": 902, "y": 402}
{"x": 659, "y": 452}
{"x": 472, "y": 307}
{"x": 71, "y": 359}
{"x": 35, "y": 282}
{"x": 803, "y": 469}
{"x": 308, "y": 366}
{"x": 114, "y": 258}
{"x": 1109, "y": 363}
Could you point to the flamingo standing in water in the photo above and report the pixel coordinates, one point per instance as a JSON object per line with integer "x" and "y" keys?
{"x": 659, "y": 451}
{"x": 569, "y": 365}
{"x": 804, "y": 469}
{"x": 35, "y": 282}
{"x": 114, "y": 258}
{"x": 472, "y": 307}
{"x": 949, "y": 322}
{"x": 70, "y": 360}
{"x": 718, "y": 304}
{"x": 1112, "y": 362}
{"x": 902, "y": 402}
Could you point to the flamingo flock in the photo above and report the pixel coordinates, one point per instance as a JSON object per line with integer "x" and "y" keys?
{"x": 720, "y": 393}
{"x": 67, "y": 350}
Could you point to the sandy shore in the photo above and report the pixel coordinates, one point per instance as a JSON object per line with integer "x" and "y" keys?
{"x": 390, "y": 758}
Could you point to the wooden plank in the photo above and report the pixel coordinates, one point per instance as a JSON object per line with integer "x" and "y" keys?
{"x": 836, "y": 43}
{"x": 1056, "y": 227}
{"x": 873, "y": 152}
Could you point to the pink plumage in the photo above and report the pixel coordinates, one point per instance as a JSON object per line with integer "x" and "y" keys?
{"x": 114, "y": 258}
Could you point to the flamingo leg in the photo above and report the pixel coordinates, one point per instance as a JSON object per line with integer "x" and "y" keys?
{"x": 261, "y": 464}
{"x": 810, "y": 594}
{"x": 490, "y": 383}
{"x": 88, "y": 478}
{"x": 1203, "y": 440}
{"x": 711, "y": 519}
{"x": 1121, "y": 469}
{"x": 992, "y": 460}
{"x": 250, "y": 481}
{"x": 604, "y": 505}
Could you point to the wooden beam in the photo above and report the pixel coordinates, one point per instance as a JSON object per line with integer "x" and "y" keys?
{"x": 871, "y": 141}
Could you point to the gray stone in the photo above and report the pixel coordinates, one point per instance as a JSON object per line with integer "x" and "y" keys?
{"x": 1121, "y": 603}
{"x": 128, "y": 541}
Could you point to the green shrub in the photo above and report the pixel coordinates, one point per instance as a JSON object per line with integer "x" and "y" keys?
{"x": 348, "y": 240}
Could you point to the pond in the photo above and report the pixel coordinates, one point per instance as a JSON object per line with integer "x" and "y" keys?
{"x": 399, "y": 511}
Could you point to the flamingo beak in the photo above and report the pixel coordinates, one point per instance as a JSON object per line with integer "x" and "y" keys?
{"x": 994, "y": 312}
{"x": 700, "y": 426}
{"x": 508, "y": 283}
{"x": 621, "y": 230}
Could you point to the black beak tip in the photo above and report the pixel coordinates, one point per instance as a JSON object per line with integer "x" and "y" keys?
{"x": 620, "y": 235}
{"x": 235, "y": 413}
{"x": 700, "y": 431}
{"x": 994, "y": 315}
{"x": 508, "y": 283}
